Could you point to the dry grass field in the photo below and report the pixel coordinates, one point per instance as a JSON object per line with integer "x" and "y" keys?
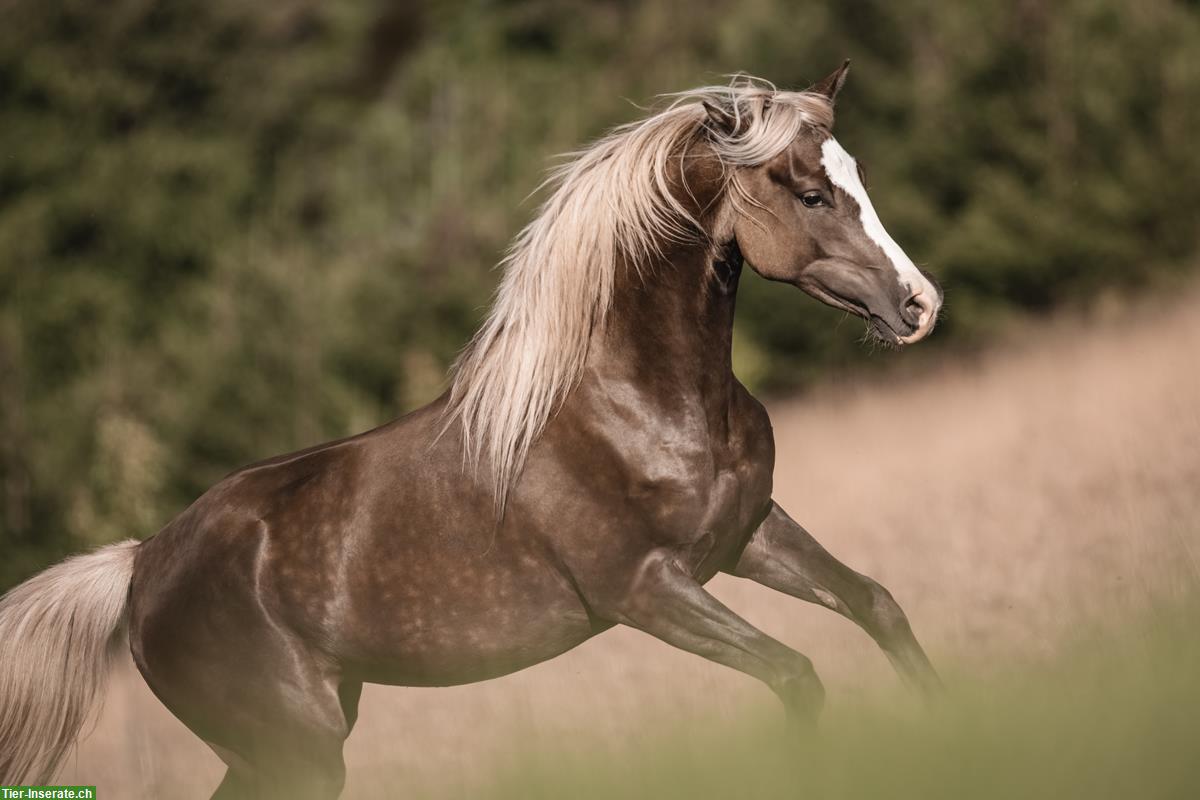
{"x": 1009, "y": 501}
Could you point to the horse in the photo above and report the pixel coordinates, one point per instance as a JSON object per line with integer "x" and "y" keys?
{"x": 594, "y": 463}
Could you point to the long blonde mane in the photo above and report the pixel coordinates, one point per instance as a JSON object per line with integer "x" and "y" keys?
{"x": 611, "y": 203}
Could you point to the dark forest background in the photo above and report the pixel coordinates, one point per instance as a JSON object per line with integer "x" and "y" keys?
{"x": 231, "y": 229}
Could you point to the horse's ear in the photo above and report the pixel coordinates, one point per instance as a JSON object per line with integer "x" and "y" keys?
{"x": 720, "y": 120}
{"x": 832, "y": 84}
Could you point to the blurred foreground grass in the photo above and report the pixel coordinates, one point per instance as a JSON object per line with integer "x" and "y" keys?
{"x": 1115, "y": 716}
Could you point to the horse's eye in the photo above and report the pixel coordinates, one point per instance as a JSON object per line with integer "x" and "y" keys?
{"x": 812, "y": 199}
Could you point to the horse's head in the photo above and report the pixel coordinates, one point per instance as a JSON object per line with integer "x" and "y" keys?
{"x": 805, "y": 218}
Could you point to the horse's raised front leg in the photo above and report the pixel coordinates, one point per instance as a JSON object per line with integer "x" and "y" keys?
{"x": 668, "y": 603}
{"x": 784, "y": 556}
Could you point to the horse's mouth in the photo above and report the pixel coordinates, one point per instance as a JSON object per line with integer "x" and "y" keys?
{"x": 891, "y": 329}
{"x": 885, "y": 332}
{"x": 896, "y": 332}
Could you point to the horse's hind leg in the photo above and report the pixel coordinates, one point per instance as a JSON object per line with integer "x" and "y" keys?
{"x": 784, "y": 556}
{"x": 288, "y": 745}
{"x": 276, "y": 713}
{"x": 305, "y": 766}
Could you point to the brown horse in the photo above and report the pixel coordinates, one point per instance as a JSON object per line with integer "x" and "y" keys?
{"x": 594, "y": 464}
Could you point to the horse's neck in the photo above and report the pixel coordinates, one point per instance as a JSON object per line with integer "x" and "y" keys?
{"x": 670, "y": 333}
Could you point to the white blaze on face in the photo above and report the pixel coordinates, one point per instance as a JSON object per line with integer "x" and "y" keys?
{"x": 842, "y": 170}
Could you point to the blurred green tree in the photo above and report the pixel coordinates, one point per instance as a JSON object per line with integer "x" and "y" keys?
{"x": 229, "y": 229}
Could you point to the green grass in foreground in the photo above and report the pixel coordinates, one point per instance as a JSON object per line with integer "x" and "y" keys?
{"x": 1117, "y": 716}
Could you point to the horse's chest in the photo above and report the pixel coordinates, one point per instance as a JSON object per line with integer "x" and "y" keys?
{"x": 619, "y": 481}
{"x": 718, "y": 494}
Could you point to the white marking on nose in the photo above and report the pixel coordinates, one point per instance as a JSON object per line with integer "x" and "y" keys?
{"x": 842, "y": 170}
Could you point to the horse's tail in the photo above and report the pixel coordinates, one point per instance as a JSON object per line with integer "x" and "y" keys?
{"x": 58, "y": 632}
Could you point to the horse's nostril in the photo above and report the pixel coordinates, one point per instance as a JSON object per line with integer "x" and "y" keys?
{"x": 913, "y": 309}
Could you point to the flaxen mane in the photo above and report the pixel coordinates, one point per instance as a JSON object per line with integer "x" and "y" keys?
{"x": 611, "y": 204}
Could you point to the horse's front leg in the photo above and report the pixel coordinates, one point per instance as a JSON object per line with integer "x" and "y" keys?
{"x": 668, "y": 603}
{"x": 784, "y": 556}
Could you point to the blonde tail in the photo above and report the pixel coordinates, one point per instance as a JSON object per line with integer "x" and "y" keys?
{"x": 58, "y": 631}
